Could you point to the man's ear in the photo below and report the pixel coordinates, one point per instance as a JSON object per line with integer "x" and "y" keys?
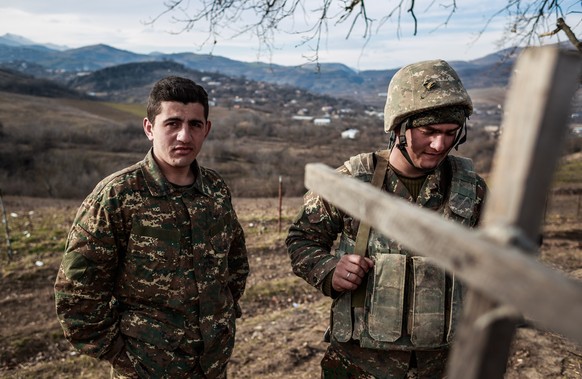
{"x": 208, "y": 127}
{"x": 147, "y": 128}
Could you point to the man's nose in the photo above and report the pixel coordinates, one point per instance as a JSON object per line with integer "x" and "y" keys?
{"x": 184, "y": 134}
{"x": 438, "y": 142}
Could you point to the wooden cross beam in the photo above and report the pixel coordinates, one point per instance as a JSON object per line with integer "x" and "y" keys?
{"x": 538, "y": 108}
{"x": 495, "y": 261}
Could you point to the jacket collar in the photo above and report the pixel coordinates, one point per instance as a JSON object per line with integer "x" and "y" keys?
{"x": 159, "y": 186}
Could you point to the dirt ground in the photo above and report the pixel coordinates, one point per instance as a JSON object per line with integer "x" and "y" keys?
{"x": 280, "y": 333}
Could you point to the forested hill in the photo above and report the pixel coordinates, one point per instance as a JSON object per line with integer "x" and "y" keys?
{"x": 333, "y": 79}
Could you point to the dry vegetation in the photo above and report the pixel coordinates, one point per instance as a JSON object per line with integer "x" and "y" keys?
{"x": 280, "y": 333}
{"x": 61, "y": 148}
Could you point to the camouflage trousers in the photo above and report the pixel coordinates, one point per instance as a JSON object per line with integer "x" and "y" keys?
{"x": 126, "y": 365}
{"x": 350, "y": 361}
{"x": 117, "y": 375}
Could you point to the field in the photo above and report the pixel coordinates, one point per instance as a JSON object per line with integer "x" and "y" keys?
{"x": 59, "y": 148}
{"x": 280, "y": 333}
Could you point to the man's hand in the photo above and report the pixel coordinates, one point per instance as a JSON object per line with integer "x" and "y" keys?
{"x": 350, "y": 272}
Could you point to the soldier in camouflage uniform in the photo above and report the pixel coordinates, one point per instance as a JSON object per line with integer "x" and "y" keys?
{"x": 394, "y": 313}
{"x": 155, "y": 262}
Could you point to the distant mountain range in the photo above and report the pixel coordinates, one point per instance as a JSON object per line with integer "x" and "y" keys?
{"x": 334, "y": 79}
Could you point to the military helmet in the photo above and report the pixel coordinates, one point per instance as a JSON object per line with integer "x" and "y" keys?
{"x": 421, "y": 87}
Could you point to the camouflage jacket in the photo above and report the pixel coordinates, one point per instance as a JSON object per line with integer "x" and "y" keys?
{"x": 314, "y": 231}
{"x": 154, "y": 273}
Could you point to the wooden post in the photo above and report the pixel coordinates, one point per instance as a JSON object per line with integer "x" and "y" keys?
{"x": 496, "y": 262}
{"x": 538, "y": 104}
{"x": 280, "y": 200}
{"x": 6, "y": 229}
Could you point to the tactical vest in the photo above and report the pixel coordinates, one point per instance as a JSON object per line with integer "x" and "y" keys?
{"x": 410, "y": 304}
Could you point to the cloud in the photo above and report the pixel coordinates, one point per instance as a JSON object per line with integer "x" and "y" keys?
{"x": 122, "y": 24}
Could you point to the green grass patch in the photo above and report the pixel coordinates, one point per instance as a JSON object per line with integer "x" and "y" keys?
{"x": 135, "y": 109}
{"x": 38, "y": 233}
{"x": 569, "y": 173}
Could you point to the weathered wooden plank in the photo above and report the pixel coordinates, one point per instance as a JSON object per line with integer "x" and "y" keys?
{"x": 476, "y": 258}
{"x": 537, "y": 111}
{"x": 535, "y": 123}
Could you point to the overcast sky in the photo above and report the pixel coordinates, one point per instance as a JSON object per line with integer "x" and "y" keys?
{"x": 123, "y": 25}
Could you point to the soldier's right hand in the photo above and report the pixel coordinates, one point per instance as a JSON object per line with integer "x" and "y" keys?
{"x": 350, "y": 271}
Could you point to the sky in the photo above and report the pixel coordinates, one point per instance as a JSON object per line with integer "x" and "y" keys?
{"x": 123, "y": 24}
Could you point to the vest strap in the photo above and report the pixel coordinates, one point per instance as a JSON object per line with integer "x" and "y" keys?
{"x": 363, "y": 235}
{"x": 364, "y": 229}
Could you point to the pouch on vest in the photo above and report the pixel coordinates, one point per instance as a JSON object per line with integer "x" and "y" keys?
{"x": 427, "y": 323}
{"x": 387, "y": 302}
{"x": 341, "y": 313}
{"x": 455, "y": 300}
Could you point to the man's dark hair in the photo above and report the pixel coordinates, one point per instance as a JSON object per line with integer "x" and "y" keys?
{"x": 175, "y": 88}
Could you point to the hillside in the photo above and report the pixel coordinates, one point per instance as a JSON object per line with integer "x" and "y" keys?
{"x": 132, "y": 82}
{"x": 17, "y": 82}
{"x": 58, "y": 141}
{"x": 61, "y": 147}
{"x": 55, "y": 144}
{"x": 70, "y": 134}
{"x": 333, "y": 79}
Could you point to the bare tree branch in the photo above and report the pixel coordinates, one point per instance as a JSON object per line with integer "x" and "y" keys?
{"x": 562, "y": 26}
{"x": 264, "y": 19}
{"x": 411, "y": 11}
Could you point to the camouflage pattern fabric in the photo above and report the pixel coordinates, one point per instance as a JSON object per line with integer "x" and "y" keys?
{"x": 315, "y": 230}
{"x": 152, "y": 274}
{"x": 349, "y": 361}
{"x": 451, "y": 114}
{"x": 318, "y": 224}
{"x": 421, "y": 87}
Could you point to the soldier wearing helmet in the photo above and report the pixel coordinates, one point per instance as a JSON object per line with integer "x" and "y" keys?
{"x": 394, "y": 312}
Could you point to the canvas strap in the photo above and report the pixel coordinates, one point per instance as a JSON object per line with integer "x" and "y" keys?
{"x": 361, "y": 245}
{"x": 377, "y": 179}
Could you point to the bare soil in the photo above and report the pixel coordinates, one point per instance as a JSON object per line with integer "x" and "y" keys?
{"x": 280, "y": 333}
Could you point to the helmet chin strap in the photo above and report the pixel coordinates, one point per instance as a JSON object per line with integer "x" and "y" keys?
{"x": 402, "y": 143}
{"x": 461, "y": 136}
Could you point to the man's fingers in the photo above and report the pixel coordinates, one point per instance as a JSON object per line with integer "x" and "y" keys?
{"x": 356, "y": 265}
{"x": 350, "y": 272}
{"x": 369, "y": 263}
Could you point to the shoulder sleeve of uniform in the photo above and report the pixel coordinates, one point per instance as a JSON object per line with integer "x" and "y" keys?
{"x": 482, "y": 189}
{"x": 463, "y": 168}
{"x": 468, "y": 190}
{"x": 125, "y": 177}
{"x": 463, "y": 192}
{"x": 464, "y": 179}
{"x": 212, "y": 176}
{"x": 213, "y": 184}
{"x": 360, "y": 165}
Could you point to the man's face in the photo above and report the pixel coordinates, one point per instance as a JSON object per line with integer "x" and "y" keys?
{"x": 429, "y": 145}
{"x": 177, "y": 134}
